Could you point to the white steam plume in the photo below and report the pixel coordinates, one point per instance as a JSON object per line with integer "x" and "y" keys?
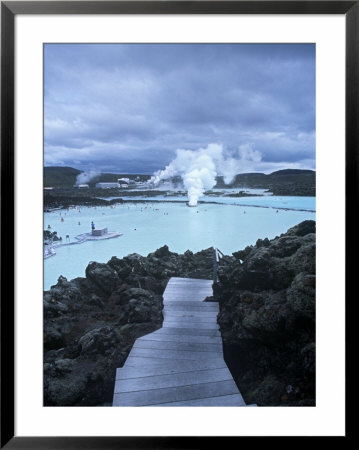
{"x": 86, "y": 177}
{"x": 199, "y": 168}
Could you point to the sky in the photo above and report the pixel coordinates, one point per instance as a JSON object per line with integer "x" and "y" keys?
{"x": 127, "y": 108}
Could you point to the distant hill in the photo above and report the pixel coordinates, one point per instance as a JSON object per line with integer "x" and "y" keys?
{"x": 65, "y": 177}
{"x": 281, "y": 182}
{"x": 60, "y": 176}
{"x": 286, "y": 174}
{"x": 292, "y": 172}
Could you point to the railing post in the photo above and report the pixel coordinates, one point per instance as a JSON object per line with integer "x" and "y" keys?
{"x": 215, "y": 265}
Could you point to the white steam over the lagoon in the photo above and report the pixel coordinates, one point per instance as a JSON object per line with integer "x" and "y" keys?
{"x": 86, "y": 177}
{"x": 199, "y": 168}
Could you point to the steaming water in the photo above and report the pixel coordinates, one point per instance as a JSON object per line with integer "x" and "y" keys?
{"x": 148, "y": 226}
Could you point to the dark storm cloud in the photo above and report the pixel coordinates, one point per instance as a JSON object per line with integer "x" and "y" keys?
{"x": 129, "y": 107}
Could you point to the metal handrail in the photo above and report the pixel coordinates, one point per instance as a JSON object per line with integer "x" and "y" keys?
{"x": 217, "y": 254}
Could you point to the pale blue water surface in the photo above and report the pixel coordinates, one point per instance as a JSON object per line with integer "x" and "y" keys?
{"x": 148, "y": 226}
{"x": 297, "y": 203}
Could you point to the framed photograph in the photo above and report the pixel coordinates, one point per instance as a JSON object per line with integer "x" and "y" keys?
{"x": 174, "y": 179}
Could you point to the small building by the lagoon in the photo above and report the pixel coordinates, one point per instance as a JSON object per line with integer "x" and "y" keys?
{"x": 121, "y": 183}
{"x": 102, "y": 185}
{"x": 99, "y": 232}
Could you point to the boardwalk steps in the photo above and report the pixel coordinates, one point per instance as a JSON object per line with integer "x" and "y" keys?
{"x": 182, "y": 363}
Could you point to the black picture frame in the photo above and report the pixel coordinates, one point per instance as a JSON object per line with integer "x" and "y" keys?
{"x": 9, "y": 9}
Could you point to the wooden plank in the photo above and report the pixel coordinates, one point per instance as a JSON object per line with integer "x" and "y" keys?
{"x": 190, "y": 282}
{"x": 190, "y": 292}
{"x": 172, "y": 380}
{"x": 185, "y": 313}
{"x": 181, "y": 365}
{"x": 174, "y": 280}
{"x": 189, "y": 286}
{"x": 201, "y": 308}
{"x": 190, "y": 289}
{"x": 181, "y": 338}
{"x": 223, "y": 400}
{"x": 189, "y": 331}
{"x": 129, "y": 371}
{"x": 191, "y": 325}
{"x": 173, "y": 354}
{"x": 194, "y": 303}
{"x": 175, "y": 394}
{"x": 185, "y": 346}
{"x": 189, "y": 319}
{"x": 185, "y": 297}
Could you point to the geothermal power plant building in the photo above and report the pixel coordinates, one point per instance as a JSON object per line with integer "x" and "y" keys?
{"x": 107, "y": 185}
{"x": 121, "y": 183}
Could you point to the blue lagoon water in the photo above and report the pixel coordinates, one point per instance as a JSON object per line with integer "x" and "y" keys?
{"x": 229, "y": 224}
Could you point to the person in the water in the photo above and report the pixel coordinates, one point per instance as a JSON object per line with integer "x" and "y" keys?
{"x": 92, "y": 226}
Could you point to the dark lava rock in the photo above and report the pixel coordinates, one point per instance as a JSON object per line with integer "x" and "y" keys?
{"x": 53, "y": 338}
{"x": 50, "y": 236}
{"x": 303, "y": 228}
{"x": 91, "y": 323}
{"x": 267, "y": 318}
{"x": 301, "y": 295}
{"x": 98, "y": 341}
{"x": 103, "y": 276}
{"x": 161, "y": 252}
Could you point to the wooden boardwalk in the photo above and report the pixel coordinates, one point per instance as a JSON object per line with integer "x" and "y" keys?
{"x": 182, "y": 363}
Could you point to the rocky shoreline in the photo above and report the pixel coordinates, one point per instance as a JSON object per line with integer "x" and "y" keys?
{"x": 62, "y": 198}
{"x": 63, "y": 201}
{"x": 267, "y": 319}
